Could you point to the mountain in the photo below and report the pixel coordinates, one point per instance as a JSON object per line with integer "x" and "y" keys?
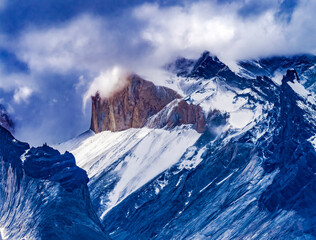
{"x": 138, "y": 101}
{"x": 43, "y": 194}
{"x": 5, "y": 120}
{"x": 248, "y": 173}
{"x": 275, "y": 67}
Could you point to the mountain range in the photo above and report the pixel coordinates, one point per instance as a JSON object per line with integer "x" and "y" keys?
{"x": 212, "y": 154}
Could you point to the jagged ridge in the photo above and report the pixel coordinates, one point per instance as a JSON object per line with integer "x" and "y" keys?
{"x": 46, "y": 197}
{"x": 244, "y": 182}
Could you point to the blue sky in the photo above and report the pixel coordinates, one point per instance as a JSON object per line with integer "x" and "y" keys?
{"x": 52, "y": 51}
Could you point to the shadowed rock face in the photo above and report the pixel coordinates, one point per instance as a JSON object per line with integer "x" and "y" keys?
{"x": 43, "y": 194}
{"x": 5, "y": 120}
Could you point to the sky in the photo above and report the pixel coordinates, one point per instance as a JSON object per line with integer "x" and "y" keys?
{"x": 54, "y": 54}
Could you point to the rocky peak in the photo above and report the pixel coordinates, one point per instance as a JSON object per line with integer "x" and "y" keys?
{"x": 290, "y": 76}
{"x": 46, "y": 190}
{"x": 131, "y": 106}
{"x": 140, "y": 103}
{"x": 178, "y": 113}
{"x": 47, "y": 163}
{"x": 207, "y": 66}
{"x": 5, "y": 120}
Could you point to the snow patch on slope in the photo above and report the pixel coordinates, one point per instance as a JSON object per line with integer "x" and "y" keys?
{"x": 277, "y": 78}
{"x": 192, "y": 160}
{"x": 143, "y": 154}
{"x": 313, "y": 141}
{"x": 158, "y": 151}
{"x": 213, "y": 94}
{"x": 300, "y": 90}
{"x": 241, "y": 118}
{"x": 2, "y": 234}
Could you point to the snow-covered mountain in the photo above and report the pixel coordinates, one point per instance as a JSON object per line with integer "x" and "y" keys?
{"x": 276, "y": 67}
{"x": 43, "y": 194}
{"x": 250, "y": 174}
{"x": 213, "y": 154}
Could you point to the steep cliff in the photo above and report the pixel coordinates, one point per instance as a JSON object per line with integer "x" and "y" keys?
{"x": 136, "y": 103}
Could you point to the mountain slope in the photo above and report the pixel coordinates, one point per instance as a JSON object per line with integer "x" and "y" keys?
{"x": 43, "y": 195}
{"x": 249, "y": 175}
{"x": 275, "y": 67}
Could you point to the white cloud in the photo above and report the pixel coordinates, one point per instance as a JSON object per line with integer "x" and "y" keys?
{"x": 107, "y": 83}
{"x": 78, "y": 45}
{"x": 22, "y": 94}
{"x": 146, "y": 39}
{"x": 155, "y": 35}
{"x": 191, "y": 29}
{"x": 13, "y": 81}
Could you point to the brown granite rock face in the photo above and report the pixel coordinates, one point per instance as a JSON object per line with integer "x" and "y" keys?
{"x": 5, "y": 120}
{"x": 178, "y": 113}
{"x": 130, "y": 107}
{"x": 140, "y": 103}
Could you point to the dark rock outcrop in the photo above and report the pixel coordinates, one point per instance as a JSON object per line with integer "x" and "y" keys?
{"x": 5, "y": 120}
{"x": 292, "y": 153}
{"x": 290, "y": 76}
{"x": 44, "y": 197}
{"x": 207, "y": 66}
{"x": 47, "y": 163}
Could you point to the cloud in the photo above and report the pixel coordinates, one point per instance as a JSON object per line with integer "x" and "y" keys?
{"x": 44, "y": 107}
{"x": 69, "y": 61}
{"x": 22, "y": 94}
{"x": 13, "y": 81}
{"x": 190, "y": 29}
{"x": 78, "y": 45}
{"x": 151, "y": 35}
{"x": 86, "y": 43}
{"x": 107, "y": 83}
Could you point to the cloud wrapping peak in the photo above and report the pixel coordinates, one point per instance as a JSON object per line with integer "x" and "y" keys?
{"x": 107, "y": 83}
{"x": 153, "y": 35}
{"x": 220, "y": 29}
{"x": 141, "y": 39}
